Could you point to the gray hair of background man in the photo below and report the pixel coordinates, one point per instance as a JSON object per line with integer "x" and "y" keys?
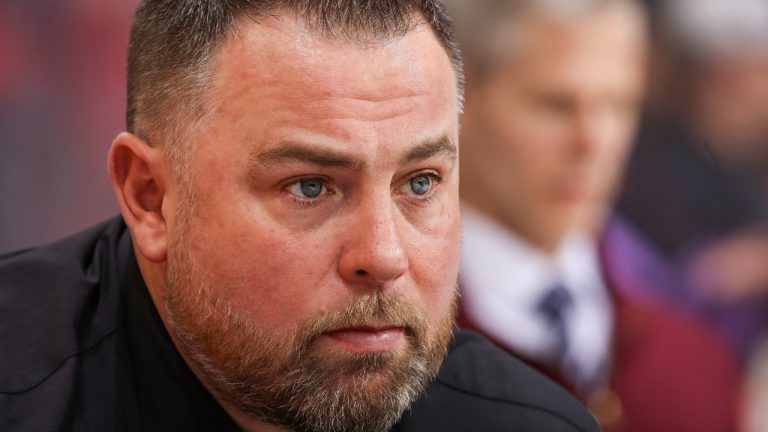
{"x": 487, "y": 30}
{"x": 173, "y": 43}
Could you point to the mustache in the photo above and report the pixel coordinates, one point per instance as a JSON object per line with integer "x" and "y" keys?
{"x": 381, "y": 309}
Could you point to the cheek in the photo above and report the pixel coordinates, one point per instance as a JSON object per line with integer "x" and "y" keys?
{"x": 609, "y": 163}
{"x": 523, "y": 147}
{"x": 615, "y": 158}
{"x": 267, "y": 275}
{"x": 531, "y": 168}
{"x": 434, "y": 266}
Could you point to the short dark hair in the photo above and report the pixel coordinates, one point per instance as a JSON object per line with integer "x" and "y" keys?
{"x": 172, "y": 44}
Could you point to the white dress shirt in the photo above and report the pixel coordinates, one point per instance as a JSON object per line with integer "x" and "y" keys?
{"x": 504, "y": 278}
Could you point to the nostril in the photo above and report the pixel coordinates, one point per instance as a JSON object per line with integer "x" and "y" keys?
{"x": 360, "y": 272}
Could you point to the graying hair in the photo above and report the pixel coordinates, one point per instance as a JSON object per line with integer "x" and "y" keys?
{"x": 481, "y": 26}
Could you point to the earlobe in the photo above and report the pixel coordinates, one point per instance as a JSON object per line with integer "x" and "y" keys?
{"x": 139, "y": 177}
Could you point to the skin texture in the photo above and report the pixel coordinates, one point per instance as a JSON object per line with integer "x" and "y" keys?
{"x": 366, "y": 270}
{"x": 549, "y": 128}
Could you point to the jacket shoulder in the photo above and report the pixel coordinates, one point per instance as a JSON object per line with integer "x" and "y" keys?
{"x": 49, "y": 299}
{"x": 482, "y": 388}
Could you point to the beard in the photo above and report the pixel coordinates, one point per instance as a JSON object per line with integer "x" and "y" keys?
{"x": 290, "y": 378}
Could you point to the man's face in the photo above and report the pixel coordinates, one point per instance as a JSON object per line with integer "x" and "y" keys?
{"x": 550, "y": 130}
{"x": 311, "y": 276}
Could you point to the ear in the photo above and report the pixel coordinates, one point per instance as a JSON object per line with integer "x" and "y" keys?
{"x": 140, "y": 179}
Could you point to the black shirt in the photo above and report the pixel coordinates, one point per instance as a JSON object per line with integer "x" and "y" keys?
{"x": 83, "y": 348}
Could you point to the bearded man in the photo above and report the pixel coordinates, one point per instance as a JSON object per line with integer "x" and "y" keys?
{"x": 288, "y": 247}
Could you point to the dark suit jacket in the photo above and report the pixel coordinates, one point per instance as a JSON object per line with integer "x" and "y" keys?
{"x": 83, "y": 348}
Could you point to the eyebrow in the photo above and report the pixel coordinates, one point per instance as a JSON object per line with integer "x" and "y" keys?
{"x": 287, "y": 151}
{"x": 429, "y": 149}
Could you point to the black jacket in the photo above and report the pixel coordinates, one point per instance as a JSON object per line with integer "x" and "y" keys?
{"x": 83, "y": 348}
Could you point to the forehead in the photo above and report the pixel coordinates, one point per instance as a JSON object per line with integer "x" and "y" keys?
{"x": 278, "y": 56}
{"x": 602, "y": 45}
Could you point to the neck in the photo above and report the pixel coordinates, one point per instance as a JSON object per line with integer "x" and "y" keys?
{"x": 536, "y": 235}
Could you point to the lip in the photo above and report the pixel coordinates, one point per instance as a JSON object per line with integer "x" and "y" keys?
{"x": 368, "y": 338}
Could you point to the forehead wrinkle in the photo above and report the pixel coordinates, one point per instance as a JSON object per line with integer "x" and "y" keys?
{"x": 333, "y": 100}
{"x": 306, "y": 74}
{"x": 352, "y": 111}
{"x": 305, "y": 94}
{"x": 305, "y": 57}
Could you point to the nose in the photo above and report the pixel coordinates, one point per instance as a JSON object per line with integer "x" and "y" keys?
{"x": 596, "y": 128}
{"x": 586, "y": 136}
{"x": 374, "y": 254}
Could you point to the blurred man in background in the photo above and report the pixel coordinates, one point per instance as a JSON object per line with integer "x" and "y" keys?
{"x": 553, "y": 94}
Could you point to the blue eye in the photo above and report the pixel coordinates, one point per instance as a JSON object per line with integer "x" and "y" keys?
{"x": 311, "y": 188}
{"x": 307, "y": 188}
{"x": 421, "y": 184}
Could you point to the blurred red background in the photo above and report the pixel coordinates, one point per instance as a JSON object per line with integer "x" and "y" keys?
{"x": 62, "y": 93}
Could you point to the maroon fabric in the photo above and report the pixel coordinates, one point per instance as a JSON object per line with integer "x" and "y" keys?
{"x": 670, "y": 372}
